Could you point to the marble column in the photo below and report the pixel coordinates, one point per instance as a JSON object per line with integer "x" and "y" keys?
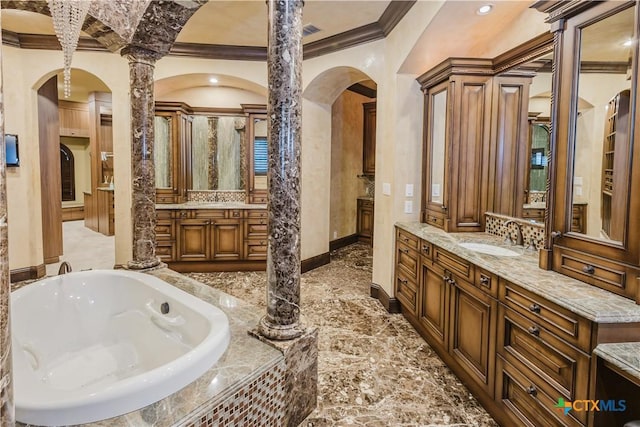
{"x": 7, "y": 410}
{"x": 284, "y": 110}
{"x": 141, "y": 65}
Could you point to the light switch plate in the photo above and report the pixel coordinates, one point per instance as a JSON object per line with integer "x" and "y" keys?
{"x": 408, "y": 206}
{"x": 386, "y": 188}
{"x": 408, "y": 190}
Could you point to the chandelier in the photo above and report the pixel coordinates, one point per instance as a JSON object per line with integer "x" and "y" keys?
{"x": 68, "y": 17}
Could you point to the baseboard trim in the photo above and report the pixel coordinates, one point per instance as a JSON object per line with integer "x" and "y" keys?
{"x": 343, "y": 241}
{"x": 27, "y": 273}
{"x": 392, "y": 305}
{"x": 315, "y": 262}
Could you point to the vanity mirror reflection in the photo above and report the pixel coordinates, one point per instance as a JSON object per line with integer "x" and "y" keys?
{"x": 597, "y": 161}
{"x": 198, "y": 149}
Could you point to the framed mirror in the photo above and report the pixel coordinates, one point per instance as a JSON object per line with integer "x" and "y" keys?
{"x": 218, "y": 152}
{"x": 163, "y": 151}
{"x": 258, "y": 158}
{"x": 602, "y": 141}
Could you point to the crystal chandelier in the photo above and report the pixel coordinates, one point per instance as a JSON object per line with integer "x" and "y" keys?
{"x": 68, "y": 17}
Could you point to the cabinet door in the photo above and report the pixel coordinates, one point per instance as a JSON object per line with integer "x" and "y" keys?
{"x": 434, "y": 303}
{"x": 74, "y": 119}
{"x": 369, "y": 139}
{"x": 472, "y": 332}
{"x": 365, "y": 221}
{"x": 194, "y": 242}
{"x": 226, "y": 238}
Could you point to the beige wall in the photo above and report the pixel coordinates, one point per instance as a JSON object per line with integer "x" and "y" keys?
{"x": 347, "y": 121}
{"x": 21, "y": 117}
{"x": 213, "y": 97}
{"x": 82, "y": 167}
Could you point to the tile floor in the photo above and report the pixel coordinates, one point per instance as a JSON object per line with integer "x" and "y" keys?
{"x": 373, "y": 368}
{"x": 84, "y": 249}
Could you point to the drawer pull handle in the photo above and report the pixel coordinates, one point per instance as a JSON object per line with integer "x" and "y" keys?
{"x": 404, "y": 251}
{"x": 534, "y": 308}
{"x": 484, "y": 280}
{"x": 434, "y": 219}
{"x": 534, "y": 330}
{"x": 425, "y": 248}
{"x": 589, "y": 269}
{"x": 262, "y": 222}
{"x": 403, "y": 281}
{"x": 405, "y": 239}
{"x": 532, "y": 390}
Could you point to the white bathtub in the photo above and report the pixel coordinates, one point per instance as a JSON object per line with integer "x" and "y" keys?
{"x": 93, "y": 345}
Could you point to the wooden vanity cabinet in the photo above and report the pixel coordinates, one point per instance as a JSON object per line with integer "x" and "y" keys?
{"x": 611, "y": 263}
{"x": 369, "y": 139}
{"x": 212, "y": 239}
{"x": 364, "y": 223}
{"x": 456, "y": 149}
{"x": 544, "y": 353}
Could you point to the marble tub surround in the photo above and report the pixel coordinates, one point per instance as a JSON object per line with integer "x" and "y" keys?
{"x": 143, "y": 186}
{"x": 227, "y": 196}
{"x": 624, "y": 355}
{"x": 532, "y": 232}
{"x": 6, "y": 380}
{"x": 588, "y": 301}
{"x": 245, "y": 387}
{"x": 284, "y": 116}
{"x": 373, "y": 367}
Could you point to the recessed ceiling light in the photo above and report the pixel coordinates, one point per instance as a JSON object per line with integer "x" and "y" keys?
{"x": 627, "y": 43}
{"x": 483, "y": 10}
{"x": 213, "y": 80}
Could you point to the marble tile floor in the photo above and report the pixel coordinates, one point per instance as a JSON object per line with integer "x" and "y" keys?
{"x": 373, "y": 367}
{"x": 84, "y": 248}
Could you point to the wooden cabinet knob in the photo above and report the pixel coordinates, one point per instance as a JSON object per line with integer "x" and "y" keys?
{"x": 588, "y": 269}
{"x": 534, "y": 330}
{"x": 535, "y": 308}
{"x": 484, "y": 280}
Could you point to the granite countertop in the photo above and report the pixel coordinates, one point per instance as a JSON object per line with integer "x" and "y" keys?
{"x": 210, "y": 205}
{"x": 624, "y": 355}
{"x": 369, "y": 198}
{"x": 535, "y": 205}
{"x": 588, "y": 301}
{"x": 105, "y": 189}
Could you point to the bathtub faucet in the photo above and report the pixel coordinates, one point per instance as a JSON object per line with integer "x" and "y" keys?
{"x": 65, "y": 267}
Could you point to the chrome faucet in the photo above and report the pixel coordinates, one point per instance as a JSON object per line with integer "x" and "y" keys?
{"x": 519, "y": 237}
{"x": 65, "y": 267}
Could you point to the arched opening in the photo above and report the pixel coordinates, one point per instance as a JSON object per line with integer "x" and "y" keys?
{"x": 76, "y": 170}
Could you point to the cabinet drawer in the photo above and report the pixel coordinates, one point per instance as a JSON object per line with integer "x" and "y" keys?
{"x": 166, "y": 251}
{"x": 453, "y": 263}
{"x": 486, "y": 281}
{"x": 164, "y": 214}
{"x": 406, "y": 292}
{"x": 234, "y": 213}
{"x": 602, "y": 273}
{"x": 555, "y": 319}
{"x": 258, "y": 198}
{"x": 435, "y": 220}
{"x": 165, "y": 230}
{"x": 426, "y": 249}
{"x": 521, "y": 342}
{"x": 255, "y": 250}
{"x": 255, "y": 229}
{"x": 525, "y": 400}
{"x": 208, "y": 213}
{"x": 408, "y": 239}
{"x": 407, "y": 261}
{"x": 256, "y": 213}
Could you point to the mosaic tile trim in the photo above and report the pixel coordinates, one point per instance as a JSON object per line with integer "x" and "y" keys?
{"x": 532, "y": 233}
{"x": 537, "y": 196}
{"x": 216, "y": 196}
{"x": 259, "y": 402}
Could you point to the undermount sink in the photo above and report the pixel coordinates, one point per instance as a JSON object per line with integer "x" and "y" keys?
{"x": 489, "y": 249}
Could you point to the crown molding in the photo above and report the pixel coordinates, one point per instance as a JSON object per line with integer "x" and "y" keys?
{"x": 392, "y": 15}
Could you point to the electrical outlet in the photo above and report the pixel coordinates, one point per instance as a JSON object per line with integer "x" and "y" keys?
{"x": 408, "y": 207}
{"x": 386, "y": 188}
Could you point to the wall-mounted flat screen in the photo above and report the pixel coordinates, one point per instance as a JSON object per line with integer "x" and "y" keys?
{"x": 11, "y": 146}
